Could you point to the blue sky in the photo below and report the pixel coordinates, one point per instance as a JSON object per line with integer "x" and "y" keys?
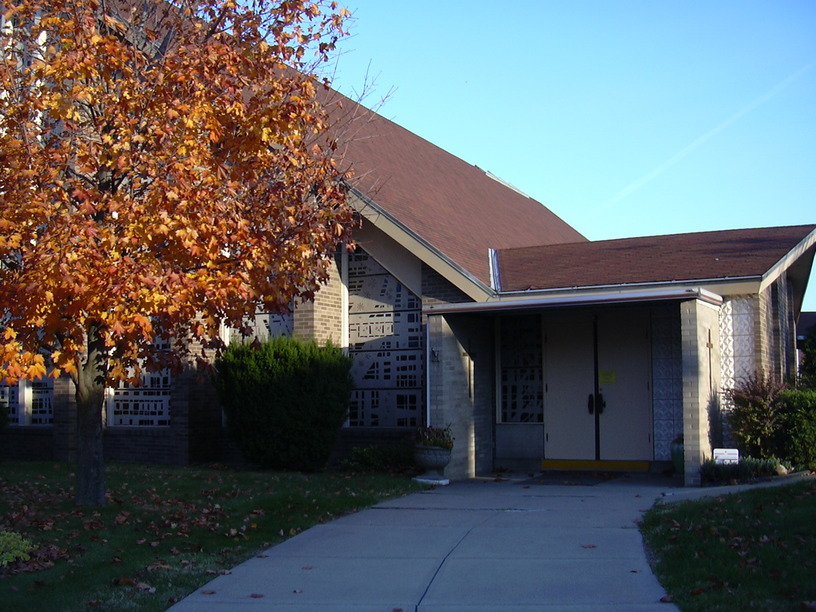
{"x": 625, "y": 118}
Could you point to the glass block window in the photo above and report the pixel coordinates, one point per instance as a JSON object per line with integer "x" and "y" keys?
{"x": 522, "y": 374}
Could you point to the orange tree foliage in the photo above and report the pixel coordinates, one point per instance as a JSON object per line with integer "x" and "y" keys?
{"x": 164, "y": 171}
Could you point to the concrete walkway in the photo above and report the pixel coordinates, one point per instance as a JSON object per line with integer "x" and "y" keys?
{"x": 477, "y": 545}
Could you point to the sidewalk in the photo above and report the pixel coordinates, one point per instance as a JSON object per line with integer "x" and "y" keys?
{"x": 478, "y": 545}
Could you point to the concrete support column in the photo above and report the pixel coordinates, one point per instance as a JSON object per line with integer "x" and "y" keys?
{"x": 450, "y": 381}
{"x": 699, "y": 325}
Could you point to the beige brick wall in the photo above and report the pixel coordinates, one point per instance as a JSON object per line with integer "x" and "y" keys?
{"x": 322, "y": 319}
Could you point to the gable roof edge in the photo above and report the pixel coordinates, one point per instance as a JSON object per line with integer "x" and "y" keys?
{"x": 785, "y": 262}
{"x": 421, "y": 248}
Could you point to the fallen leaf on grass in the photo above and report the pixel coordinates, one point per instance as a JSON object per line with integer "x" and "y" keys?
{"x": 159, "y": 564}
{"x": 92, "y": 525}
{"x": 141, "y": 586}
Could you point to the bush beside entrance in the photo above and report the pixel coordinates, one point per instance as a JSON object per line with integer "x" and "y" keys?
{"x": 285, "y": 401}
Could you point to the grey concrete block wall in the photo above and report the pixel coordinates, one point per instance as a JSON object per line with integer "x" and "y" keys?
{"x": 699, "y": 324}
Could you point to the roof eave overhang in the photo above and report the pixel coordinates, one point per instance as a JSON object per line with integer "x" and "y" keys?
{"x": 575, "y": 299}
{"x": 421, "y": 248}
{"x": 737, "y": 285}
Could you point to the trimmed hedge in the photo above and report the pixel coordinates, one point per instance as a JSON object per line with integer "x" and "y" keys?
{"x": 746, "y": 470}
{"x": 285, "y": 401}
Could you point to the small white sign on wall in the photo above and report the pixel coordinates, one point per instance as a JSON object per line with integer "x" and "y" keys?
{"x": 726, "y": 455}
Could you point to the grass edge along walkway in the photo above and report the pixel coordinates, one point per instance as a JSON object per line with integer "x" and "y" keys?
{"x": 164, "y": 532}
{"x": 752, "y": 549}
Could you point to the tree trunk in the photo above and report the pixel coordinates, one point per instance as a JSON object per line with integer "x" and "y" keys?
{"x": 90, "y": 399}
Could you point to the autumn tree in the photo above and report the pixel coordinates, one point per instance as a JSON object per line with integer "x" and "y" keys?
{"x": 165, "y": 171}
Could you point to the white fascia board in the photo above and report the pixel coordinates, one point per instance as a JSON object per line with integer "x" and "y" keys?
{"x": 422, "y": 249}
{"x": 787, "y": 261}
{"x": 495, "y": 277}
{"x": 581, "y": 299}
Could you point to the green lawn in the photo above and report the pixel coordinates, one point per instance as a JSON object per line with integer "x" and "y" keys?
{"x": 164, "y": 532}
{"x": 745, "y": 551}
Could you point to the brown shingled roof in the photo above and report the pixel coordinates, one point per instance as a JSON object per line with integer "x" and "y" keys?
{"x": 457, "y": 208}
{"x": 678, "y": 257}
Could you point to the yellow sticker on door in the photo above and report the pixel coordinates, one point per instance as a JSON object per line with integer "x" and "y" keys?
{"x": 607, "y": 377}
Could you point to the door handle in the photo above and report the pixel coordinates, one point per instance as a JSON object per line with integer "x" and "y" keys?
{"x": 591, "y": 403}
{"x": 601, "y": 403}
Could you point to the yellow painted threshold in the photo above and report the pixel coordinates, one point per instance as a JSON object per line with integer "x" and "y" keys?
{"x": 577, "y": 464}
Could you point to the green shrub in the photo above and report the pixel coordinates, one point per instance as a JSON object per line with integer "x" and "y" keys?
{"x": 799, "y": 427}
{"x": 13, "y": 547}
{"x": 747, "y": 469}
{"x": 807, "y": 370}
{"x": 756, "y": 417}
{"x": 285, "y": 401}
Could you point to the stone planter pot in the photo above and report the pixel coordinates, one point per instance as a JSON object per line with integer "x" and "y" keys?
{"x": 678, "y": 457}
{"x": 433, "y": 459}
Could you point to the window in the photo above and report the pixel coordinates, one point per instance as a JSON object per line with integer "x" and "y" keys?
{"x": 522, "y": 384}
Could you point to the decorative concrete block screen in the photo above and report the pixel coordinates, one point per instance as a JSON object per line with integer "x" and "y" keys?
{"x": 667, "y": 379}
{"x": 264, "y": 326}
{"x": 10, "y": 402}
{"x": 29, "y": 402}
{"x": 144, "y": 405}
{"x": 147, "y": 405}
{"x": 387, "y": 345}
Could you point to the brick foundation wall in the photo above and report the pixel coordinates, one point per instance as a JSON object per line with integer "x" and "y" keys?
{"x": 27, "y": 443}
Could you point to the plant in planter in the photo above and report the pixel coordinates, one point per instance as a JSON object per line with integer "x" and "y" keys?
{"x": 678, "y": 454}
{"x": 432, "y": 452}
